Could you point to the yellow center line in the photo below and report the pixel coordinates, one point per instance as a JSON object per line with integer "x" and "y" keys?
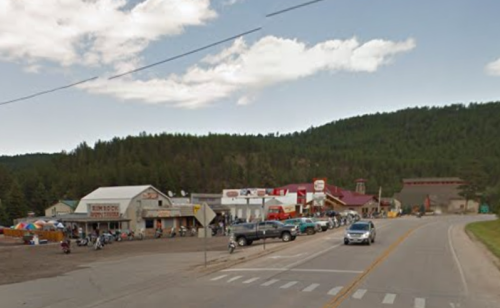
{"x": 345, "y": 292}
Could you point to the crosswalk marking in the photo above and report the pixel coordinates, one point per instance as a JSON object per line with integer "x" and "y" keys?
{"x": 334, "y": 291}
{"x": 389, "y": 298}
{"x": 359, "y": 294}
{"x": 251, "y": 280}
{"x": 270, "y": 282}
{"x": 234, "y": 278}
{"x": 419, "y": 302}
{"x": 311, "y": 287}
{"x": 217, "y": 278}
{"x": 288, "y": 285}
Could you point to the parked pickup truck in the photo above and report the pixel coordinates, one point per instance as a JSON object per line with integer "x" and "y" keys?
{"x": 323, "y": 223}
{"x": 246, "y": 233}
{"x": 305, "y": 225}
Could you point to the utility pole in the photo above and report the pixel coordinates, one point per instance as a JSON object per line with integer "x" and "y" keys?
{"x": 379, "y": 198}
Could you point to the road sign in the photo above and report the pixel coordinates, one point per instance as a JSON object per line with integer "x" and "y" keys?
{"x": 199, "y": 212}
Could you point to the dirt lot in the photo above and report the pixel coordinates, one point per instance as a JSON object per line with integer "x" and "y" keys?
{"x": 21, "y": 262}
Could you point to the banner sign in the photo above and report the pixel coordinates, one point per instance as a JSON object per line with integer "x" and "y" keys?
{"x": 104, "y": 210}
{"x": 253, "y": 192}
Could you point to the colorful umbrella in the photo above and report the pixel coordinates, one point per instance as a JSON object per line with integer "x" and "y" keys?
{"x": 30, "y": 227}
{"x": 20, "y": 226}
{"x": 40, "y": 222}
{"x": 53, "y": 222}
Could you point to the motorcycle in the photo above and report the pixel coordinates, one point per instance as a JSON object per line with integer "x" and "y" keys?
{"x": 231, "y": 246}
{"x": 158, "y": 233}
{"x": 66, "y": 246}
{"x": 182, "y": 231}
{"x": 98, "y": 245}
{"x": 193, "y": 231}
{"x": 83, "y": 242}
{"x": 172, "y": 233}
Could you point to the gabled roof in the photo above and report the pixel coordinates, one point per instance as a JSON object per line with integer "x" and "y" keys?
{"x": 117, "y": 192}
{"x": 331, "y": 189}
{"x": 71, "y": 203}
{"x": 352, "y": 198}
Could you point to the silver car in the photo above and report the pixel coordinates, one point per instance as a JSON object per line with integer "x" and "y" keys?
{"x": 362, "y": 232}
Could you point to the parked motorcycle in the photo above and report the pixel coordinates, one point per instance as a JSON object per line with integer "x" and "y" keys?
{"x": 98, "y": 245}
{"x": 231, "y": 246}
{"x": 193, "y": 231}
{"x": 66, "y": 246}
{"x": 158, "y": 233}
{"x": 83, "y": 242}
{"x": 172, "y": 233}
{"x": 182, "y": 231}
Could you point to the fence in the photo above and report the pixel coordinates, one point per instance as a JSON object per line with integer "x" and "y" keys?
{"x": 53, "y": 236}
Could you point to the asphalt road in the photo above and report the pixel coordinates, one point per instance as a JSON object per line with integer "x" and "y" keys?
{"x": 414, "y": 263}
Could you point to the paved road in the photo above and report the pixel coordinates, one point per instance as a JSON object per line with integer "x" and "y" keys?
{"x": 415, "y": 263}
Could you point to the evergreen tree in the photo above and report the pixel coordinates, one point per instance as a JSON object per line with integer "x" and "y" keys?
{"x": 15, "y": 204}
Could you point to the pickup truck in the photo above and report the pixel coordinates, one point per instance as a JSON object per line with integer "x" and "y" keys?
{"x": 305, "y": 225}
{"x": 246, "y": 233}
{"x": 323, "y": 223}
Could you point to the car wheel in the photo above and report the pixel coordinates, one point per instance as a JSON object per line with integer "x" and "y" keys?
{"x": 346, "y": 242}
{"x": 324, "y": 229}
{"x": 242, "y": 241}
{"x": 286, "y": 237}
{"x": 310, "y": 231}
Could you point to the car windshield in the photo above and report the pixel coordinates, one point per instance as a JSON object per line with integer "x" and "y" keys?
{"x": 274, "y": 210}
{"x": 359, "y": 227}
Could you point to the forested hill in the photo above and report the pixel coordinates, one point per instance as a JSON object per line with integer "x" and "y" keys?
{"x": 384, "y": 148}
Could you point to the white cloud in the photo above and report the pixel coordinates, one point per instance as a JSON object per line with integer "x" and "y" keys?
{"x": 493, "y": 68}
{"x": 91, "y": 32}
{"x": 231, "y": 2}
{"x": 243, "y": 70}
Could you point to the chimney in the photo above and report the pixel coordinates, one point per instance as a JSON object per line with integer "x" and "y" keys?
{"x": 360, "y": 186}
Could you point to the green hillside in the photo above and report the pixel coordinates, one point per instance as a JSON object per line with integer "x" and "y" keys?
{"x": 384, "y": 148}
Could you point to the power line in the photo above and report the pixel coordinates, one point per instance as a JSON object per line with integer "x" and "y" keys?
{"x": 47, "y": 91}
{"x": 166, "y": 60}
{"x": 291, "y": 8}
{"x": 187, "y": 53}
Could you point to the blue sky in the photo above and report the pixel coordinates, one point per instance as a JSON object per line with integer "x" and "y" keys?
{"x": 331, "y": 60}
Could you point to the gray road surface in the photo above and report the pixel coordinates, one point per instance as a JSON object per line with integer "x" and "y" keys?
{"x": 414, "y": 263}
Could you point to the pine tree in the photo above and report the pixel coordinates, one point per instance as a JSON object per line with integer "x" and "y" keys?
{"x": 15, "y": 204}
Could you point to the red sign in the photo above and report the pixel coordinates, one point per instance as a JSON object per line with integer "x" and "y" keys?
{"x": 301, "y": 195}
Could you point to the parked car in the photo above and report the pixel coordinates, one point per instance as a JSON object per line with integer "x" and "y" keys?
{"x": 304, "y": 225}
{"x": 360, "y": 232}
{"x": 246, "y": 233}
{"x": 323, "y": 223}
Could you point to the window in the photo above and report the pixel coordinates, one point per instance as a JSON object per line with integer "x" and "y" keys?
{"x": 160, "y": 202}
{"x": 360, "y": 227}
{"x": 150, "y": 224}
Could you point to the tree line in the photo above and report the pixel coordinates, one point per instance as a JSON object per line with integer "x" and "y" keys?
{"x": 456, "y": 140}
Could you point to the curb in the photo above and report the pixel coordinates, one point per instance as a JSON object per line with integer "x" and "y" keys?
{"x": 494, "y": 259}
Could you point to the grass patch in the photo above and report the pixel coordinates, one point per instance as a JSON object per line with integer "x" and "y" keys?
{"x": 487, "y": 232}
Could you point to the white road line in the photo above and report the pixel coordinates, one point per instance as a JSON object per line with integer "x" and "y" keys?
{"x": 319, "y": 270}
{"x": 217, "y": 278}
{"x": 288, "y": 285}
{"x": 283, "y": 269}
{"x": 251, "y": 280}
{"x": 359, "y": 294}
{"x": 389, "y": 299}
{"x": 304, "y": 260}
{"x": 278, "y": 269}
{"x": 419, "y": 302}
{"x": 453, "y": 252}
{"x": 270, "y": 282}
{"x": 334, "y": 291}
{"x": 311, "y": 287}
{"x": 234, "y": 278}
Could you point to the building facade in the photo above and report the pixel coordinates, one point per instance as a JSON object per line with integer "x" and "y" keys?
{"x": 61, "y": 207}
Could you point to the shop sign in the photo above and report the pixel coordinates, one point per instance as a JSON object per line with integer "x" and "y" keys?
{"x": 150, "y": 195}
{"x": 319, "y": 184}
{"x": 104, "y": 210}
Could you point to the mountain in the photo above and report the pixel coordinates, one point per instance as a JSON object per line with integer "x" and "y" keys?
{"x": 382, "y": 147}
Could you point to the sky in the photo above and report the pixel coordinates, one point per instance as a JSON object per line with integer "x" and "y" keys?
{"x": 330, "y": 60}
